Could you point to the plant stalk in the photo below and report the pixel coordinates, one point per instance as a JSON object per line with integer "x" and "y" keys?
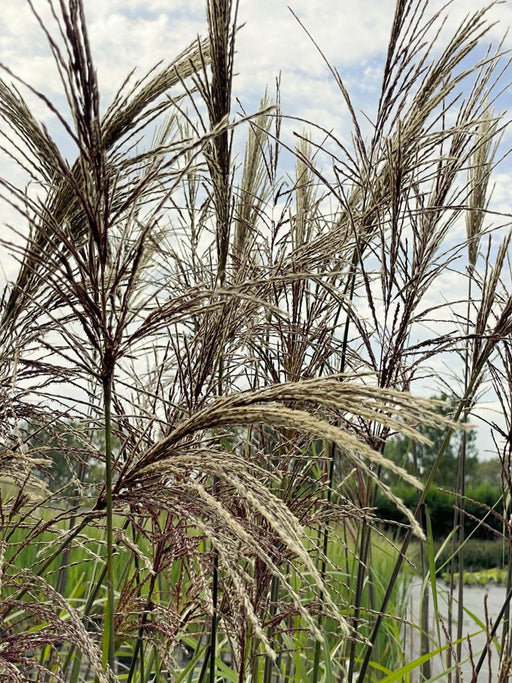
{"x": 109, "y": 626}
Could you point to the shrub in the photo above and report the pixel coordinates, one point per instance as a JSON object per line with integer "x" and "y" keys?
{"x": 479, "y": 554}
{"x": 483, "y": 510}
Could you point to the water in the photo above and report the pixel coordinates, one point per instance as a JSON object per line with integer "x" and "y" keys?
{"x": 481, "y": 604}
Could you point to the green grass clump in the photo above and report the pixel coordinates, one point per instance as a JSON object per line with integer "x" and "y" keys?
{"x": 481, "y": 577}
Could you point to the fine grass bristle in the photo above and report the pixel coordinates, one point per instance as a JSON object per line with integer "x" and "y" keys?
{"x": 213, "y": 339}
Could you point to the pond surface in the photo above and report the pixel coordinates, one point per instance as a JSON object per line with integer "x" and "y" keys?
{"x": 484, "y": 603}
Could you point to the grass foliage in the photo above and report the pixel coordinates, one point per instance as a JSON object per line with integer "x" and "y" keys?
{"x": 217, "y": 345}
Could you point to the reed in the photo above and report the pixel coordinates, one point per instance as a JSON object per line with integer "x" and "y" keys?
{"x": 227, "y": 345}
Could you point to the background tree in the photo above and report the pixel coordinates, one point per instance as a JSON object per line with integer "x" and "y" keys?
{"x": 418, "y": 458}
{"x": 489, "y": 472}
{"x": 70, "y": 454}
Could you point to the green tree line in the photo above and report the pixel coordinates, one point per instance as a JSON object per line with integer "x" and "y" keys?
{"x": 483, "y": 509}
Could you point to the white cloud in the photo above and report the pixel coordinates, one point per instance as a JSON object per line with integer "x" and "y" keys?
{"x": 353, "y": 34}
{"x": 127, "y": 34}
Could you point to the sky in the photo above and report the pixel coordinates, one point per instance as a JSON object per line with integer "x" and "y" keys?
{"x": 127, "y": 34}
{"x": 137, "y": 34}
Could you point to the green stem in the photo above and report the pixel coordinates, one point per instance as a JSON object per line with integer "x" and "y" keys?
{"x": 461, "y": 494}
{"x": 506, "y": 644}
{"x": 349, "y": 288}
{"x": 421, "y": 501}
{"x": 91, "y": 598}
{"x": 213, "y": 632}
{"x": 274, "y": 596}
{"x": 365, "y": 544}
{"x": 109, "y": 635}
{"x": 139, "y": 644}
{"x": 462, "y": 478}
{"x": 71, "y": 658}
